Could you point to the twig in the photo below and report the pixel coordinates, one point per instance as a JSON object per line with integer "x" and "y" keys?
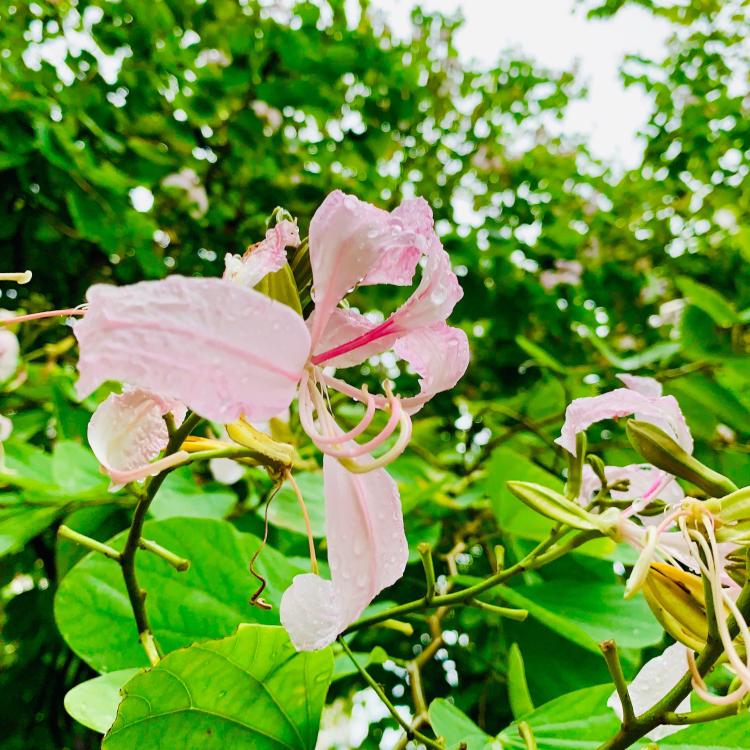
{"x": 410, "y": 731}
{"x": 177, "y": 562}
{"x": 609, "y": 649}
{"x": 86, "y": 541}
{"x": 527, "y": 735}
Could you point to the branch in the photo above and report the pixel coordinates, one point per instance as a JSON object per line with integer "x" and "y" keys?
{"x": 542, "y": 555}
{"x": 609, "y": 649}
{"x": 410, "y": 731}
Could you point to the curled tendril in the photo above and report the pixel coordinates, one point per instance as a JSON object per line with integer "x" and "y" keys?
{"x": 256, "y": 599}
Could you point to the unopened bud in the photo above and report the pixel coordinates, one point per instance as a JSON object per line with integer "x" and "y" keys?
{"x": 598, "y": 466}
{"x": 559, "y": 508}
{"x": 663, "y": 452}
{"x": 677, "y": 600}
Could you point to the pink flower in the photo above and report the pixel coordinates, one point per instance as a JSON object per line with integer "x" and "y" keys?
{"x": 127, "y": 431}
{"x": 225, "y": 350}
{"x": 642, "y": 398}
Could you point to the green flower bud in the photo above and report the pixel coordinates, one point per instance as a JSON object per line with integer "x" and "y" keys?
{"x": 559, "y": 508}
{"x": 660, "y": 450}
{"x": 575, "y": 467}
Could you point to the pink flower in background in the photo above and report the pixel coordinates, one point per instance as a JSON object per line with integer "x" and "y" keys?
{"x": 224, "y": 350}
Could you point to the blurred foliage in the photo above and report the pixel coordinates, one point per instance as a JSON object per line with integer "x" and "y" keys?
{"x": 142, "y": 138}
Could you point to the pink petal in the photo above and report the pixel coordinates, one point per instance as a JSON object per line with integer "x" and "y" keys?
{"x": 663, "y": 411}
{"x": 399, "y": 261}
{"x": 432, "y": 302}
{"x": 310, "y": 612}
{"x": 439, "y": 354}
{"x": 9, "y": 351}
{"x": 219, "y": 348}
{"x": 656, "y": 678}
{"x": 354, "y": 242}
{"x": 645, "y": 386}
{"x": 264, "y": 257}
{"x": 367, "y": 551}
{"x": 346, "y": 325}
{"x": 127, "y": 431}
{"x": 642, "y": 478}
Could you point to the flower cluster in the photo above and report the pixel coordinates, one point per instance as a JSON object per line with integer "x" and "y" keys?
{"x": 685, "y": 545}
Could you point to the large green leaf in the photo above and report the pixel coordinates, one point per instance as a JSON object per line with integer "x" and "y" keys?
{"x": 21, "y": 522}
{"x": 455, "y": 727}
{"x": 710, "y": 300}
{"x": 94, "y": 703}
{"x": 512, "y": 515}
{"x": 583, "y": 721}
{"x": 181, "y": 496}
{"x": 572, "y": 722}
{"x": 207, "y": 601}
{"x": 587, "y": 612}
{"x": 250, "y": 690}
{"x": 285, "y": 512}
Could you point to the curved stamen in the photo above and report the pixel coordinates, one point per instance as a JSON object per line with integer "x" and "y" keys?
{"x": 701, "y": 689}
{"x": 391, "y": 454}
{"x": 359, "y": 450}
{"x": 308, "y": 526}
{"x": 721, "y": 602}
{"x": 45, "y": 314}
{"x": 309, "y": 425}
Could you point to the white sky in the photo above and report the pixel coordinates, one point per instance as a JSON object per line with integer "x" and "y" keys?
{"x": 557, "y": 34}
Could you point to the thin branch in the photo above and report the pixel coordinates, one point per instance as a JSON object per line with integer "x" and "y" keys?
{"x": 609, "y": 649}
{"x": 410, "y": 731}
{"x": 527, "y": 735}
{"x": 177, "y": 562}
{"x": 86, "y": 541}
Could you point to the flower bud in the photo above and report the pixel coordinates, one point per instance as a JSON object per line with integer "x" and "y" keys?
{"x": 677, "y": 600}
{"x": 660, "y": 450}
{"x": 559, "y": 508}
{"x": 598, "y": 466}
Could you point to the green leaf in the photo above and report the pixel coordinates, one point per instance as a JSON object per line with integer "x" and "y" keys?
{"x": 182, "y": 497}
{"x": 94, "y": 703}
{"x": 542, "y": 357}
{"x": 726, "y": 734}
{"x": 285, "y": 512}
{"x": 20, "y": 524}
{"x": 76, "y": 470}
{"x": 512, "y": 515}
{"x": 250, "y": 690}
{"x": 343, "y": 667}
{"x": 711, "y": 301}
{"x": 456, "y": 727}
{"x": 518, "y": 690}
{"x": 574, "y": 721}
{"x": 207, "y": 601}
{"x": 587, "y": 612}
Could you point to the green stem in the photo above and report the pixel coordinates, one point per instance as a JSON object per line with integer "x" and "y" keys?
{"x": 532, "y": 561}
{"x": 86, "y": 541}
{"x": 609, "y": 649}
{"x": 527, "y": 735}
{"x": 519, "y": 615}
{"x": 425, "y": 553}
{"x": 136, "y": 594}
{"x": 177, "y": 562}
{"x": 410, "y": 731}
